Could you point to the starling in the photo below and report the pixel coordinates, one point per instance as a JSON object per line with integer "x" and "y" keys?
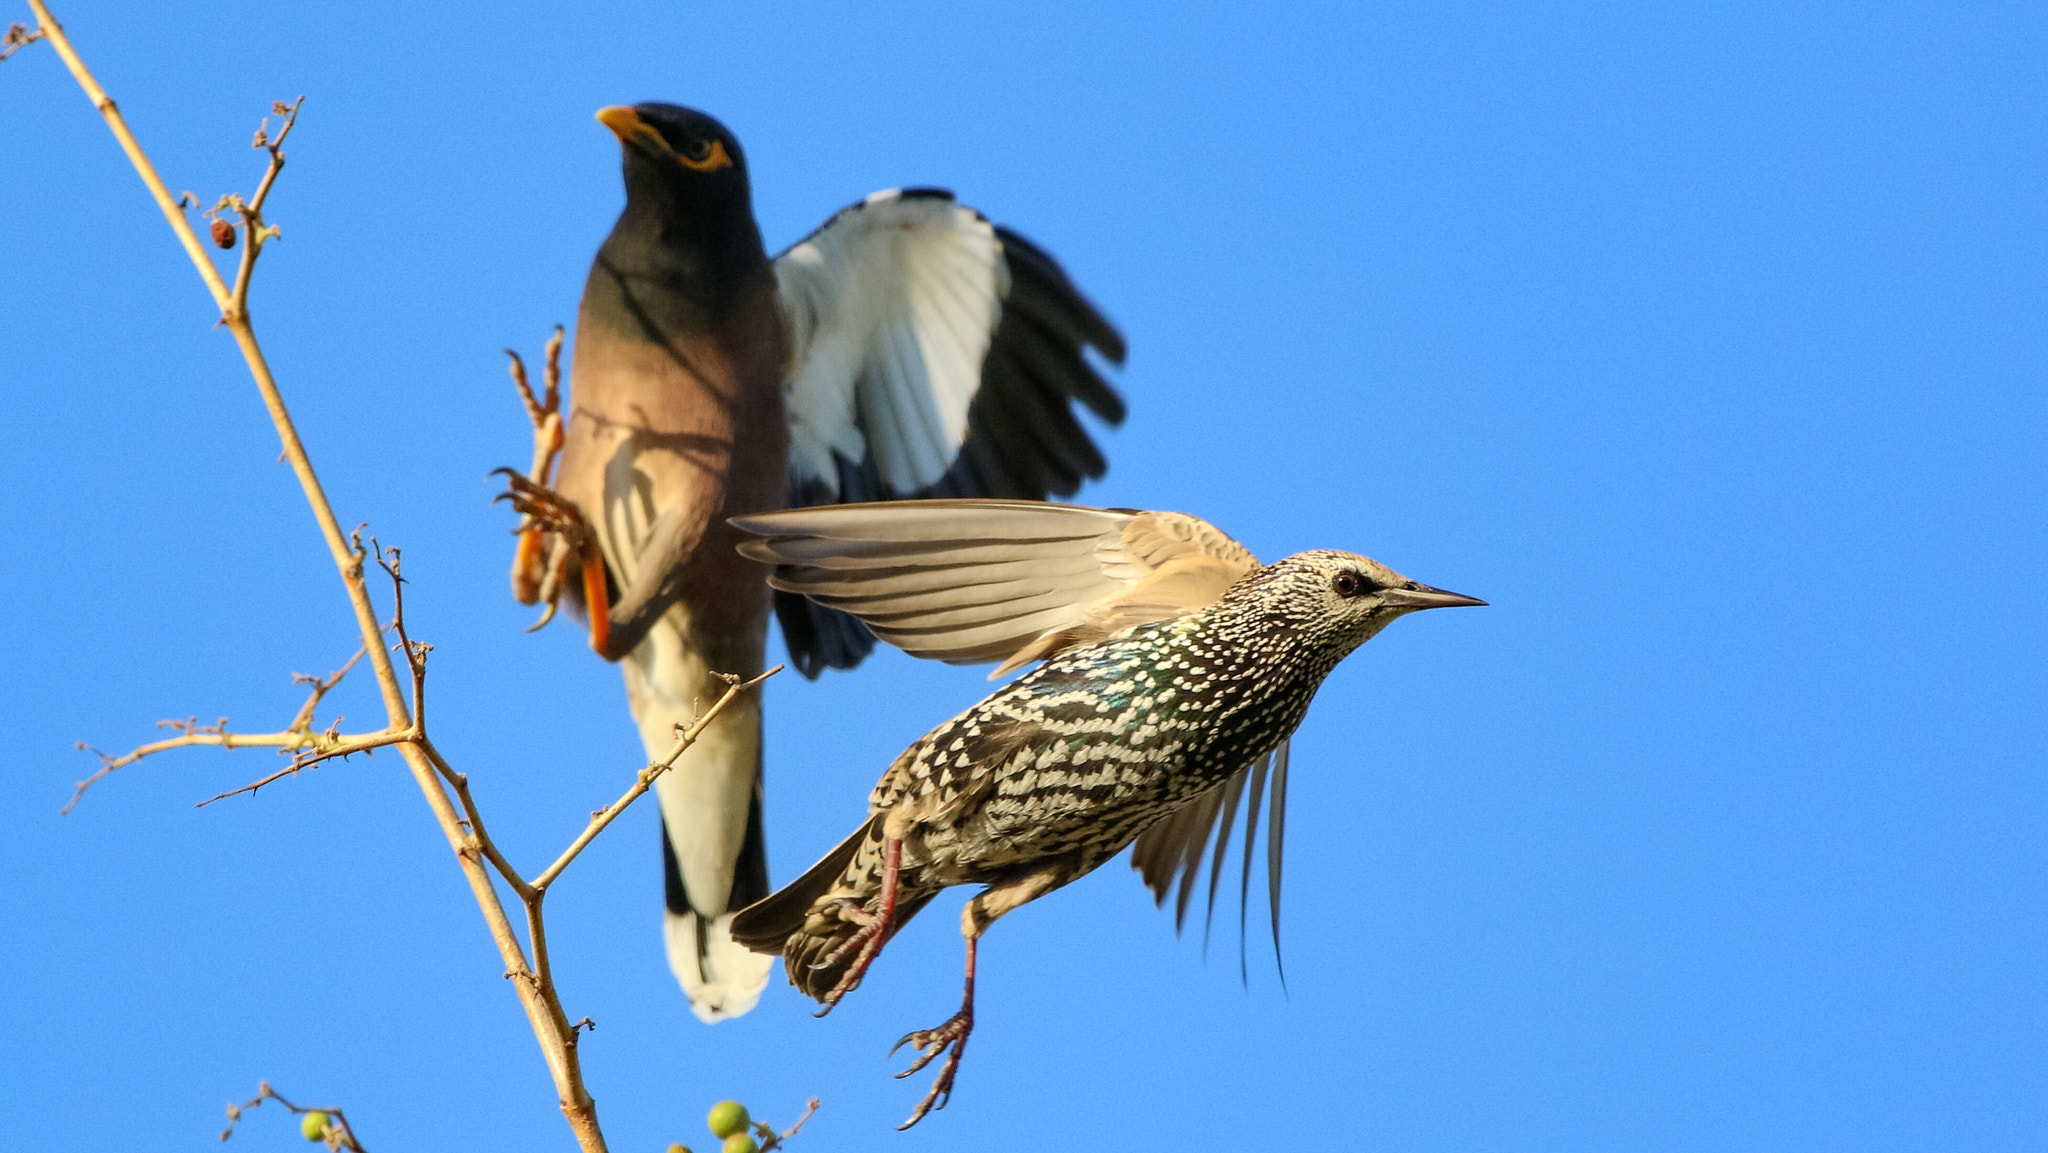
{"x": 906, "y": 348}
{"x": 1173, "y": 663}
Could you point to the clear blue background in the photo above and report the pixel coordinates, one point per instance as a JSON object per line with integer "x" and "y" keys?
{"x": 1706, "y": 342}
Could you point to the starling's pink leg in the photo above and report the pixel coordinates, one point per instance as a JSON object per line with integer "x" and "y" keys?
{"x": 872, "y": 933}
{"x": 931, "y": 1042}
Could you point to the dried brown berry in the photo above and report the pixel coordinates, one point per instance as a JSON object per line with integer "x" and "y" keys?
{"x": 223, "y": 234}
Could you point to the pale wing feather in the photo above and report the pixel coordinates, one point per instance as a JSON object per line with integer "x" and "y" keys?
{"x": 891, "y": 305}
{"x": 932, "y": 354}
{"x": 966, "y": 581}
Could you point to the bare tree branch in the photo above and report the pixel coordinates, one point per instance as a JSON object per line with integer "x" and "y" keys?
{"x": 405, "y": 727}
{"x": 294, "y": 737}
{"x": 18, "y": 37}
{"x": 333, "y": 1128}
{"x": 770, "y": 1139}
{"x": 684, "y": 739}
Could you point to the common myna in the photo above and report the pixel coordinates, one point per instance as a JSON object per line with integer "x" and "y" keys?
{"x": 907, "y": 348}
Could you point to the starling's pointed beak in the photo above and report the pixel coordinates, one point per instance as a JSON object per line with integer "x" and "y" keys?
{"x": 1421, "y": 596}
{"x": 630, "y": 129}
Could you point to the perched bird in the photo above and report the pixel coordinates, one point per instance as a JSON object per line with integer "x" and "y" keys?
{"x": 1174, "y": 663}
{"x": 906, "y": 348}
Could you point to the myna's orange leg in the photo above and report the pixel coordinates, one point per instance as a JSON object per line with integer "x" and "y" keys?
{"x": 597, "y": 600}
{"x": 527, "y": 566}
{"x": 545, "y": 413}
{"x": 548, "y": 513}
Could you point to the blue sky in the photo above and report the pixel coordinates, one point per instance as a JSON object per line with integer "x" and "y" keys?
{"x": 1705, "y": 342}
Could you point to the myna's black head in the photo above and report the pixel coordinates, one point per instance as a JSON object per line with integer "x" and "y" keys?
{"x": 688, "y": 206}
{"x": 677, "y": 148}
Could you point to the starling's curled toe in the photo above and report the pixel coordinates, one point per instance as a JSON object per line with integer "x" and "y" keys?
{"x": 864, "y": 944}
{"x": 907, "y": 347}
{"x": 949, "y": 1038}
{"x": 1174, "y": 665}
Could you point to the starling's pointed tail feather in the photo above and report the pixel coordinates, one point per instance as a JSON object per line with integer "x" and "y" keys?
{"x": 804, "y": 920}
{"x": 768, "y": 923}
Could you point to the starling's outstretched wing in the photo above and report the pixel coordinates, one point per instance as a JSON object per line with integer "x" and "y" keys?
{"x": 967, "y": 581}
{"x": 931, "y": 354}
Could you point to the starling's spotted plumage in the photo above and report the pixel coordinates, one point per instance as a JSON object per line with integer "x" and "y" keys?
{"x": 907, "y": 347}
{"x": 1058, "y": 771}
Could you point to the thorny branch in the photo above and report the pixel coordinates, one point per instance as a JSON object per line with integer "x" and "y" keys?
{"x": 685, "y": 737}
{"x": 334, "y": 1129}
{"x": 297, "y": 737}
{"x": 770, "y": 1139}
{"x": 18, "y": 37}
{"x": 405, "y": 718}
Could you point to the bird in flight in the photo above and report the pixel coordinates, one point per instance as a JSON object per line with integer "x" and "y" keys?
{"x": 907, "y": 348}
{"x": 1174, "y": 663}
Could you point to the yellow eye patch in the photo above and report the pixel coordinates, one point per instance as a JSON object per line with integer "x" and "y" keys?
{"x": 713, "y": 159}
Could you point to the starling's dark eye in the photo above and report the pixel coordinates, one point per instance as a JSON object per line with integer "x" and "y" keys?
{"x": 1350, "y": 584}
{"x": 695, "y": 149}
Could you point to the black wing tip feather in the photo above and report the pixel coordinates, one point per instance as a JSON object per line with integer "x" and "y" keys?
{"x": 820, "y": 638}
{"x": 1027, "y": 261}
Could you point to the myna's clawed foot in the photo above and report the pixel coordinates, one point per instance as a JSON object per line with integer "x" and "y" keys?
{"x": 545, "y": 410}
{"x": 950, "y": 1039}
{"x": 549, "y": 514}
{"x": 548, "y": 510}
{"x": 531, "y": 564}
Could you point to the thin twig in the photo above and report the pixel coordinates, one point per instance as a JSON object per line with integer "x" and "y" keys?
{"x": 415, "y": 651}
{"x": 340, "y": 748}
{"x": 335, "y": 1133}
{"x": 18, "y": 37}
{"x": 296, "y": 736}
{"x": 770, "y": 1139}
{"x": 646, "y": 777}
{"x": 254, "y": 231}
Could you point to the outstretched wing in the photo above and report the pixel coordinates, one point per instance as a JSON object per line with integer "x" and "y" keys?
{"x": 932, "y": 354}
{"x": 968, "y": 581}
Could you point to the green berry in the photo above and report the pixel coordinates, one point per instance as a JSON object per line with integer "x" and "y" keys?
{"x": 313, "y": 1125}
{"x": 679, "y": 1147}
{"x": 741, "y": 1143}
{"x": 727, "y": 1119}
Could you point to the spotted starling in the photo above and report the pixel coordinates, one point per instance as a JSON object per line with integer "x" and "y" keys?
{"x": 1173, "y": 662}
{"x": 906, "y": 348}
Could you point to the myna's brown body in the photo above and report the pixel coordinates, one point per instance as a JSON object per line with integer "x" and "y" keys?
{"x": 907, "y": 348}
